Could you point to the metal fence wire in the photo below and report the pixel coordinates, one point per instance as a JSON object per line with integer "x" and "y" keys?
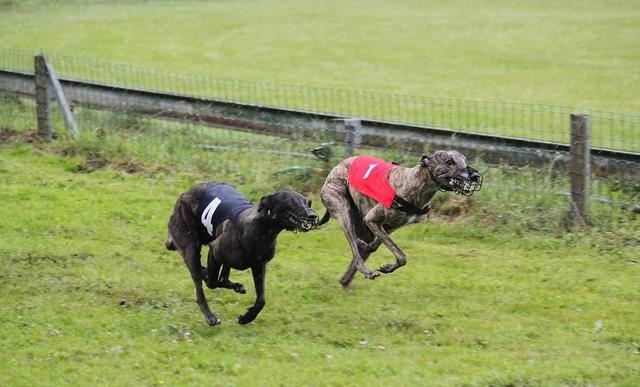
{"x": 614, "y": 131}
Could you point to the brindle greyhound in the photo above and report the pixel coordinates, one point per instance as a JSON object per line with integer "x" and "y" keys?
{"x": 367, "y": 223}
{"x": 240, "y": 235}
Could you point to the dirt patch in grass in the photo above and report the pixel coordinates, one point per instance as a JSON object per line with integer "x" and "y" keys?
{"x": 8, "y": 135}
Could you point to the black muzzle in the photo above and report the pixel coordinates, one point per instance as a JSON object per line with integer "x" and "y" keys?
{"x": 464, "y": 182}
{"x": 468, "y": 186}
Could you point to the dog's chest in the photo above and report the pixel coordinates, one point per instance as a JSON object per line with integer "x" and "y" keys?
{"x": 241, "y": 247}
{"x": 258, "y": 248}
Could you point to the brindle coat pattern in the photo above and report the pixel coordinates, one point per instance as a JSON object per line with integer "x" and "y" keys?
{"x": 367, "y": 223}
{"x": 247, "y": 242}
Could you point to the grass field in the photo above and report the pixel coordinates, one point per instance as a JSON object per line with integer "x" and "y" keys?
{"x": 581, "y": 54}
{"x": 496, "y": 292}
{"x": 91, "y": 297}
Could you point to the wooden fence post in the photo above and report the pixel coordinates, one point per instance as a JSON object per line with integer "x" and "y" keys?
{"x": 580, "y": 168}
{"x": 43, "y": 108}
{"x": 47, "y": 83}
{"x": 352, "y": 135}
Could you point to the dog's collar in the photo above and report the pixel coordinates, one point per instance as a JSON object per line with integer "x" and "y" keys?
{"x": 408, "y": 207}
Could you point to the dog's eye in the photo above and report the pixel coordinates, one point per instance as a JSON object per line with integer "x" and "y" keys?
{"x": 451, "y": 162}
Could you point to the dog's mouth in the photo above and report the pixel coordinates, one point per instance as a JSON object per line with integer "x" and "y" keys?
{"x": 461, "y": 184}
{"x": 465, "y": 187}
{"x": 297, "y": 223}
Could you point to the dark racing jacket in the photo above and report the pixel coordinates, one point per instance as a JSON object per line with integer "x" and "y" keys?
{"x": 220, "y": 202}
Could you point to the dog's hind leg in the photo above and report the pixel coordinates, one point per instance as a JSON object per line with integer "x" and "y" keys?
{"x": 365, "y": 249}
{"x": 367, "y": 244}
{"x": 169, "y": 243}
{"x": 337, "y": 200}
{"x": 192, "y": 260}
{"x": 357, "y": 261}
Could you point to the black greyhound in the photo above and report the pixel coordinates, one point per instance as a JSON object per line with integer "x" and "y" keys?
{"x": 240, "y": 235}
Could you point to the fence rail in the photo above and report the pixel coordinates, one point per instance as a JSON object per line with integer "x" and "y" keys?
{"x": 280, "y": 122}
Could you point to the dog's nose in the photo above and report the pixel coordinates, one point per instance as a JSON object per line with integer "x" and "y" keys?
{"x": 312, "y": 216}
{"x": 473, "y": 174}
{"x": 476, "y": 180}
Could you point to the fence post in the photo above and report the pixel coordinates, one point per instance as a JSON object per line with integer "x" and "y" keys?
{"x": 65, "y": 107}
{"x": 352, "y": 135}
{"x": 580, "y": 168}
{"x": 43, "y": 108}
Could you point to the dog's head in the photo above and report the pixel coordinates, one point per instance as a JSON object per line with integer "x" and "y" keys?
{"x": 450, "y": 171}
{"x": 289, "y": 210}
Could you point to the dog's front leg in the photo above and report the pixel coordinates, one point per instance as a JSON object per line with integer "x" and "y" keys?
{"x": 216, "y": 275}
{"x": 211, "y": 273}
{"x": 374, "y": 221}
{"x": 225, "y": 283}
{"x": 259, "y": 271}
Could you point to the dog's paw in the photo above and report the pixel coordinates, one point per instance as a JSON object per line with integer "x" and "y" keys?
{"x": 252, "y": 313}
{"x": 235, "y": 286}
{"x": 246, "y": 318}
{"x": 388, "y": 268}
{"x": 372, "y": 275}
{"x": 213, "y": 320}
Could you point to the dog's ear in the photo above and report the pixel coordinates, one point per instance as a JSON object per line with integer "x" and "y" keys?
{"x": 265, "y": 205}
{"x": 425, "y": 160}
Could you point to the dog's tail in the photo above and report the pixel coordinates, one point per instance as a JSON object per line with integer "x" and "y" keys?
{"x": 325, "y": 219}
{"x": 169, "y": 244}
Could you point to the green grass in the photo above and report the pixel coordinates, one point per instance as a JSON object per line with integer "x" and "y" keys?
{"x": 90, "y": 295}
{"x": 497, "y": 292}
{"x": 581, "y": 54}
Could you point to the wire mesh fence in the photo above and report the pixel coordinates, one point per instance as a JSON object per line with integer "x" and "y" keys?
{"x": 538, "y": 122}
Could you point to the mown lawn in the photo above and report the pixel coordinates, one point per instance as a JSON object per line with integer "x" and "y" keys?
{"x": 90, "y": 297}
{"x": 580, "y": 54}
